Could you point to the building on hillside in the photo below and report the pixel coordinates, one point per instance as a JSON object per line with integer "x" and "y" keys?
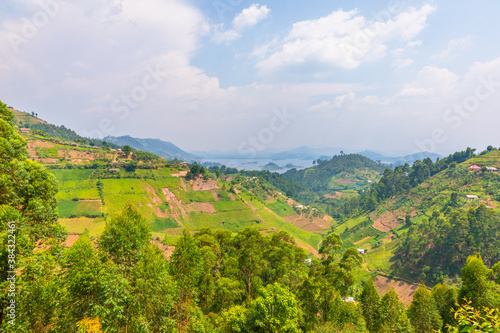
{"x": 24, "y": 130}
{"x": 361, "y": 251}
{"x": 491, "y": 169}
{"x": 348, "y": 299}
{"x": 471, "y": 197}
{"x": 474, "y": 168}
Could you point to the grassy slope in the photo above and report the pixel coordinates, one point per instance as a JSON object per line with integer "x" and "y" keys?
{"x": 144, "y": 189}
{"x": 421, "y": 202}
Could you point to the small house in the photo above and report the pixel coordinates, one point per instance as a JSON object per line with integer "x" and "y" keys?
{"x": 491, "y": 169}
{"x": 24, "y": 130}
{"x": 474, "y": 168}
{"x": 348, "y": 299}
{"x": 361, "y": 251}
{"x": 471, "y": 197}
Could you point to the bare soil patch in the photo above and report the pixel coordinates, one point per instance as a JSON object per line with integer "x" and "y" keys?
{"x": 153, "y": 195}
{"x": 231, "y": 196}
{"x": 71, "y": 240}
{"x": 386, "y": 221}
{"x": 175, "y": 205}
{"x": 214, "y": 194}
{"x": 159, "y": 213}
{"x": 44, "y": 144}
{"x": 201, "y": 207}
{"x": 49, "y": 160}
{"x": 311, "y": 227}
{"x": 292, "y": 218}
{"x": 165, "y": 249}
{"x": 200, "y": 184}
{"x": 180, "y": 174}
{"x": 405, "y": 290}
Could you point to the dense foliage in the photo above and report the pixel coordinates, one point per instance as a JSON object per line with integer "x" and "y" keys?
{"x": 439, "y": 246}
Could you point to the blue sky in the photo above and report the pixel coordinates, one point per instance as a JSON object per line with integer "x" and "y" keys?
{"x": 395, "y": 76}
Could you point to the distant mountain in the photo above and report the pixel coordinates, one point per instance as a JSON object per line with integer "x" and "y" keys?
{"x": 399, "y": 160}
{"x": 156, "y": 146}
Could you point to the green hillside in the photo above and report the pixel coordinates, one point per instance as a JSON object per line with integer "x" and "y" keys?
{"x": 97, "y": 182}
{"x": 426, "y": 231}
{"x": 341, "y": 175}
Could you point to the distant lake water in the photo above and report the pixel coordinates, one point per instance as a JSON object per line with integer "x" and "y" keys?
{"x": 258, "y": 164}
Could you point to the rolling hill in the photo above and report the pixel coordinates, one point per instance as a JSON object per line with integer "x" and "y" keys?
{"x": 96, "y": 182}
{"x": 427, "y": 231}
{"x": 343, "y": 173}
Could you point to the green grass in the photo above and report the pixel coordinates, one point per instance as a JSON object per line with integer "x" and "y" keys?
{"x": 379, "y": 259}
{"x": 46, "y": 152}
{"x": 200, "y": 196}
{"x": 79, "y": 208}
{"x": 233, "y": 221}
{"x": 281, "y": 208}
{"x": 81, "y": 224}
{"x": 64, "y": 175}
{"x": 160, "y": 224}
{"x": 227, "y": 206}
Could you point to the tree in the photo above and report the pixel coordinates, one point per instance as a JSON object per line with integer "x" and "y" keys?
{"x": 127, "y": 150}
{"x": 153, "y": 292}
{"x": 393, "y": 314}
{"x": 330, "y": 246}
{"x": 124, "y": 235}
{"x": 370, "y": 304}
{"x": 408, "y": 220}
{"x": 275, "y": 310}
{"x": 249, "y": 244}
{"x": 475, "y": 282}
{"x": 445, "y": 298}
{"x": 81, "y": 272}
{"x": 186, "y": 267}
{"x": 27, "y": 197}
{"x": 423, "y": 313}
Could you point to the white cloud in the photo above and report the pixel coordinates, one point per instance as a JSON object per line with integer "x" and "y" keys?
{"x": 430, "y": 81}
{"x": 402, "y": 63}
{"x": 344, "y": 39}
{"x": 337, "y": 103}
{"x": 248, "y": 18}
{"x": 454, "y": 46}
{"x": 220, "y": 36}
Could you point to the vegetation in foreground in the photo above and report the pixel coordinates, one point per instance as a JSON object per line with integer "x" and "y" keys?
{"x": 215, "y": 281}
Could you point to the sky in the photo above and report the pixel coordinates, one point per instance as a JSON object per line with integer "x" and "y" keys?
{"x": 395, "y": 77}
